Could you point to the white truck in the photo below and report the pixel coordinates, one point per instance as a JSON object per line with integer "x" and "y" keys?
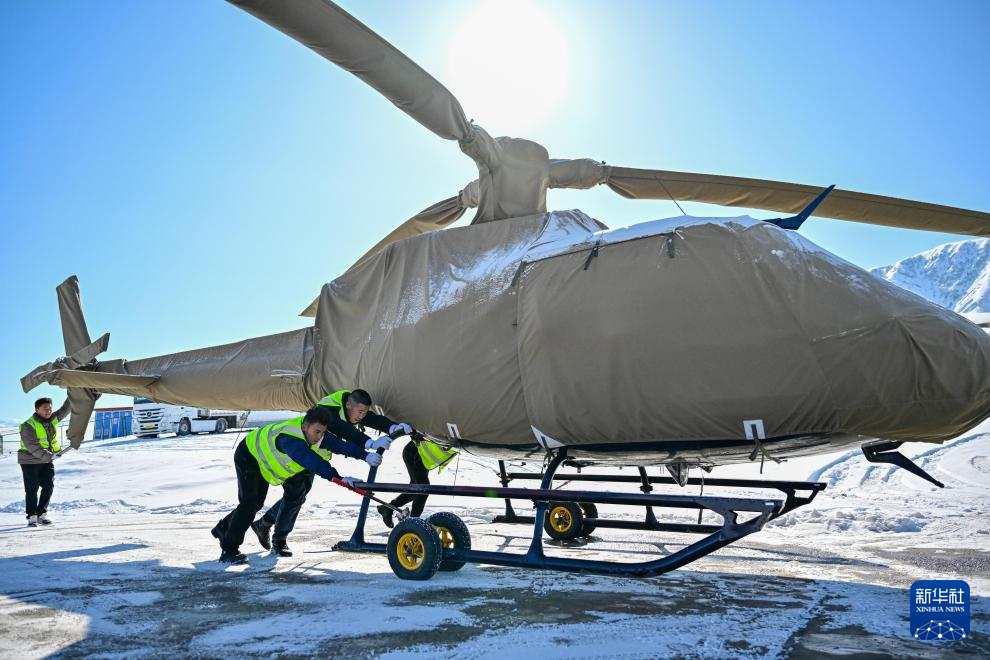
{"x": 152, "y": 418}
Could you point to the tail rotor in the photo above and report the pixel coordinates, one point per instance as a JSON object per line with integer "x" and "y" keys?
{"x": 80, "y": 353}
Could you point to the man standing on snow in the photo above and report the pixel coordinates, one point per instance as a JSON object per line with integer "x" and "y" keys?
{"x": 277, "y": 455}
{"x": 39, "y": 445}
{"x": 350, "y": 412}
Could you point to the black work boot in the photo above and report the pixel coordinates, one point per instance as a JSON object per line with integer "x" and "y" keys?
{"x": 386, "y": 515}
{"x": 234, "y": 558}
{"x": 264, "y": 533}
{"x": 281, "y": 548}
{"x": 219, "y": 531}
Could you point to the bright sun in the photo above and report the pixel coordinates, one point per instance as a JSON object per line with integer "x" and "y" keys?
{"x": 508, "y": 66}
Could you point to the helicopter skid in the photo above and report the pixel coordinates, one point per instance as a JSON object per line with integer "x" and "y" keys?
{"x": 790, "y": 489}
{"x": 740, "y": 517}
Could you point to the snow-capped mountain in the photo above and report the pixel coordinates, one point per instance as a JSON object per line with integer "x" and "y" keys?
{"x": 954, "y": 275}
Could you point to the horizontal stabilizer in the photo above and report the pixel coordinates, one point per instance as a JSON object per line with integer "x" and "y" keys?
{"x": 97, "y": 380}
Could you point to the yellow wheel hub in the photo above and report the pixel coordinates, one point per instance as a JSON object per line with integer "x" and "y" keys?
{"x": 446, "y": 538}
{"x": 410, "y": 551}
{"x": 560, "y": 519}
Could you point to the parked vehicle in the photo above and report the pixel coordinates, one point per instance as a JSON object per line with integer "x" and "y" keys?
{"x": 152, "y": 418}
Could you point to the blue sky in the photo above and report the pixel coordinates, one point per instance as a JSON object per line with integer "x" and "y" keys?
{"x": 204, "y": 175}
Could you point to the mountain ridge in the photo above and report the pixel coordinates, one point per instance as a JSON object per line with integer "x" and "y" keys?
{"x": 953, "y": 275}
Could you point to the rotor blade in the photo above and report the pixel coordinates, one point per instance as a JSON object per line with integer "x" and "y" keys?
{"x": 331, "y": 32}
{"x": 75, "y": 335}
{"x": 437, "y": 216}
{"x": 792, "y": 197}
{"x": 633, "y": 183}
{"x": 81, "y": 404}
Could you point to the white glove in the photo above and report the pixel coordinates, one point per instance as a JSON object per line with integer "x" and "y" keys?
{"x": 381, "y": 442}
{"x": 405, "y": 428}
{"x": 350, "y": 481}
{"x": 374, "y": 460}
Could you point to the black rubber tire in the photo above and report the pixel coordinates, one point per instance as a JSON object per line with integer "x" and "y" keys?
{"x": 458, "y": 533}
{"x": 185, "y": 427}
{"x": 564, "y": 521}
{"x": 414, "y": 530}
{"x": 590, "y": 511}
{"x": 221, "y": 426}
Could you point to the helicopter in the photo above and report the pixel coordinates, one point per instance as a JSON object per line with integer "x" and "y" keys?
{"x": 544, "y": 336}
{"x": 530, "y": 330}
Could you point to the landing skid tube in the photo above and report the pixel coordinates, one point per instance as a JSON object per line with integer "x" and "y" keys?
{"x": 718, "y": 536}
{"x": 789, "y": 488}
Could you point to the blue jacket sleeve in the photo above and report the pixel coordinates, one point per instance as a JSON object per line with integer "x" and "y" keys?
{"x": 298, "y": 449}
{"x": 338, "y": 446}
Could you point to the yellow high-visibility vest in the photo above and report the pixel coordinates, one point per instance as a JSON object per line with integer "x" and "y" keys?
{"x": 277, "y": 467}
{"x": 47, "y": 444}
{"x": 336, "y": 400}
{"x": 433, "y": 455}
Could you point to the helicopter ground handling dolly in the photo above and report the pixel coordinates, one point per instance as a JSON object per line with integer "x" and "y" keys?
{"x": 418, "y": 548}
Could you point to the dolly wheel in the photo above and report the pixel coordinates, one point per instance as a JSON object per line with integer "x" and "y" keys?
{"x": 414, "y": 550}
{"x": 564, "y": 521}
{"x": 453, "y": 534}
{"x": 590, "y": 511}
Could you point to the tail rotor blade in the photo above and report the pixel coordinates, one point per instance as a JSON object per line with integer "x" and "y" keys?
{"x": 81, "y": 403}
{"x": 74, "y": 331}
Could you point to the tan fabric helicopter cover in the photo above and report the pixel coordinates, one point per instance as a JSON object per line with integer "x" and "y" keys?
{"x": 521, "y": 332}
{"x": 339, "y": 37}
{"x": 768, "y": 195}
{"x": 512, "y": 172}
{"x": 264, "y": 373}
{"x": 744, "y": 322}
{"x": 79, "y": 350}
{"x": 438, "y": 216}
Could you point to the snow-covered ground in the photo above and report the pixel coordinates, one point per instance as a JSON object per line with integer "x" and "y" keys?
{"x": 129, "y": 568}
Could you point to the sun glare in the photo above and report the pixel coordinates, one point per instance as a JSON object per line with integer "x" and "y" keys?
{"x": 508, "y": 65}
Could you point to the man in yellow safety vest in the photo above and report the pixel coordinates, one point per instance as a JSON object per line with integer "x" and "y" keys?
{"x": 39, "y": 446}
{"x": 420, "y": 456}
{"x": 275, "y": 455}
{"x": 350, "y": 411}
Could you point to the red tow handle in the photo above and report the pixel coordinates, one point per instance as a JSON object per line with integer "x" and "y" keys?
{"x": 359, "y": 491}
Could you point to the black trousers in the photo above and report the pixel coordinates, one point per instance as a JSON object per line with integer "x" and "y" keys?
{"x": 252, "y": 489}
{"x": 418, "y": 474}
{"x": 283, "y": 513}
{"x": 38, "y": 476}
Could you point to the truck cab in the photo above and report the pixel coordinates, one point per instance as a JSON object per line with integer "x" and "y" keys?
{"x": 152, "y": 419}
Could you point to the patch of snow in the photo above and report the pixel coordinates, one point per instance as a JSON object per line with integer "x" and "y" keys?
{"x": 573, "y": 243}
